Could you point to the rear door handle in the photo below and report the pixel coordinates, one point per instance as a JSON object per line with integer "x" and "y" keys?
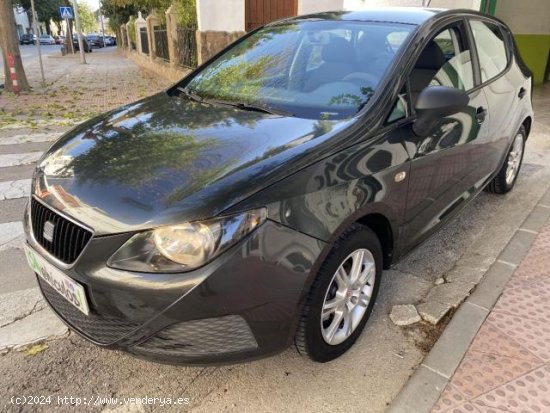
{"x": 481, "y": 114}
{"x": 522, "y": 93}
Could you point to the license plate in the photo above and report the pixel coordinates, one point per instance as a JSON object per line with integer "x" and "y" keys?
{"x": 66, "y": 286}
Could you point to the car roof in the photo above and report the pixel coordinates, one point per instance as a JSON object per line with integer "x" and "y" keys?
{"x": 406, "y": 15}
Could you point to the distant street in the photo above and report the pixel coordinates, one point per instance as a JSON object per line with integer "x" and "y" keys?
{"x": 29, "y": 51}
{"x": 29, "y": 54}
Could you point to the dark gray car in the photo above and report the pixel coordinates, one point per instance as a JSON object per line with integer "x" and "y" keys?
{"x": 256, "y": 202}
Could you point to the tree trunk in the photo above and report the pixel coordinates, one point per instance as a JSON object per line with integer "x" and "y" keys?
{"x": 69, "y": 46}
{"x": 9, "y": 43}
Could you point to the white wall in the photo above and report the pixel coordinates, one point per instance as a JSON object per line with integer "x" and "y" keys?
{"x": 361, "y": 4}
{"x": 314, "y": 6}
{"x": 526, "y": 17}
{"x": 444, "y": 4}
{"x": 220, "y": 15}
{"x": 21, "y": 19}
{"x": 456, "y": 4}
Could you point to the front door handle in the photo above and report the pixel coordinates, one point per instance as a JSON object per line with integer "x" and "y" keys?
{"x": 481, "y": 114}
{"x": 522, "y": 93}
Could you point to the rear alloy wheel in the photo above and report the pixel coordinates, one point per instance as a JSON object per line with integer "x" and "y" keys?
{"x": 342, "y": 296}
{"x": 508, "y": 174}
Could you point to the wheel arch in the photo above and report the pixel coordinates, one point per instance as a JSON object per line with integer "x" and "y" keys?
{"x": 381, "y": 226}
{"x": 527, "y": 123}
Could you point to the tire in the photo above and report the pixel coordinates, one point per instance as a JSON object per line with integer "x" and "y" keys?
{"x": 502, "y": 184}
{"x": 312, "y": 337}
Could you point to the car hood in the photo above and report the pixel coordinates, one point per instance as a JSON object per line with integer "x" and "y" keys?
{"x": 167, "y": 159}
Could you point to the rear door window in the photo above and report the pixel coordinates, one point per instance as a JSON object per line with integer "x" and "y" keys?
{"x": 491, "y": 49}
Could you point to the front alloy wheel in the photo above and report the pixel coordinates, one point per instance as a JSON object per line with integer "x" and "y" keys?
{"x": 348, "y": 296}
{"x": 342, "y": 296}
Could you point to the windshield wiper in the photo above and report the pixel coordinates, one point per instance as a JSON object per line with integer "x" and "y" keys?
{"x": 252, "y": 107}
{"x": 239, "y": 105}
{"x": 190, "y": 95}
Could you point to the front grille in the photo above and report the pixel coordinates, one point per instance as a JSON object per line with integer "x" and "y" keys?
{"x": 104, "y": 329}
{"x": 205, "y": 337}
{"x": 68, "y": 239}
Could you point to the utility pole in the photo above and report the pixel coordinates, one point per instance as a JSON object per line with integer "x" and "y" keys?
{"x": 35, "y": 29}
{"x": 79, "y": 33}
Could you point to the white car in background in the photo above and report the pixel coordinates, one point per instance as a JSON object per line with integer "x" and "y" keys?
{"x": 46, "y": 39}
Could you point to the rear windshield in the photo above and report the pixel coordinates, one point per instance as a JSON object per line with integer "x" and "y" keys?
{"x": 312, "y": 69}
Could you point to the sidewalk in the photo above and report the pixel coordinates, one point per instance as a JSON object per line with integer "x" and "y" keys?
{"x": 507, "y": 366}
{"x": 76, "y": 91}
{"x": 494, "y": 355}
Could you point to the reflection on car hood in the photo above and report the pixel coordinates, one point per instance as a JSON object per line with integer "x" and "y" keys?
{"x": 165, "y": 160}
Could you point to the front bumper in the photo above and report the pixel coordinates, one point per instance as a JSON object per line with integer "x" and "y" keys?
{"x": 243, "y": 305}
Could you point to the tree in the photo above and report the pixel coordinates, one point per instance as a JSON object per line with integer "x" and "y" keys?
{"x": 45, "y": 9}
{"x": 88, "y": 22}
{"x": 9, "y": 43}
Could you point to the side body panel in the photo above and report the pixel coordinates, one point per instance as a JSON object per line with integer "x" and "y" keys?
{"x": 509, "y": 99}
{"x": 325, "y": 198}
{"x": 447, "y": 170}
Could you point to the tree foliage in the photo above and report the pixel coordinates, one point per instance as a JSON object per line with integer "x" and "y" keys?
{"x": 87, "y": 19}
{"x": 120, "y": 11}
{"x": 186, "y": 10}
{"x": 45, "y": 9}
{"x": 117, "y": 14}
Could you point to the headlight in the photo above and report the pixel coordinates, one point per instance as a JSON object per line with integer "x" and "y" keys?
{"x": 187, "y": 246}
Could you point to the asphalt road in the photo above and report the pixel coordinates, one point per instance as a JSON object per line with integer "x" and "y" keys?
{"x": 29, "y": 55}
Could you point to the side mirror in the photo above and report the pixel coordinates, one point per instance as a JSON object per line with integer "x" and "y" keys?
{"x": 434, "y": 103}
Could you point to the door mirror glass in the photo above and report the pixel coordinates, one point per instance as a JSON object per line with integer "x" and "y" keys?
{"x": 434, "y": 103}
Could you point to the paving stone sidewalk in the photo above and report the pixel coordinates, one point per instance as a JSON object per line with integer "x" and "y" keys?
{"x": 75, "y": 91}
{"x": 507, "y": 366}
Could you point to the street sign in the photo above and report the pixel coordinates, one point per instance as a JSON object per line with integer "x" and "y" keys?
{"x": 66, "y": 12}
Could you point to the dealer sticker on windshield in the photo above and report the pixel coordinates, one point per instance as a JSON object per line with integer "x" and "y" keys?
{"x": 66, "y": 286}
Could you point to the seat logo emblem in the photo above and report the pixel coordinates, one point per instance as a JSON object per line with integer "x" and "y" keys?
{"x": 47, "y": 233}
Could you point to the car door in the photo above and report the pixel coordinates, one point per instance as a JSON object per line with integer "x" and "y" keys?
{"x": 504, "y": 89}
{"x": 445, "y": 163}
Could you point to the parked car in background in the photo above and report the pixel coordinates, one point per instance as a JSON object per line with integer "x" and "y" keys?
{"x": 256, "y": 202}
{"x": 46, "y": 39}
{"x": 110, "y": 41}
{"x": 27, "y": 39}
{"x": 87, "y": 47}
{"x": 95, "y": 40}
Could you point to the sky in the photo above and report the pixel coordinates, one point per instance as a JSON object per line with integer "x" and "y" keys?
{"x": 94, "y": 4}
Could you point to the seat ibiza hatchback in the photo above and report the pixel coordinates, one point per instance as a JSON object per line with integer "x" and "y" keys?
{"x": 256, "y": 202}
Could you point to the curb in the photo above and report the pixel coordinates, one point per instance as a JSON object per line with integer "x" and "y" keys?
{"x": 424, "y": 387}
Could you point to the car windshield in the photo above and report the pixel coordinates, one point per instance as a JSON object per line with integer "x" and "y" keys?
{"x": 311, "y": 69}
